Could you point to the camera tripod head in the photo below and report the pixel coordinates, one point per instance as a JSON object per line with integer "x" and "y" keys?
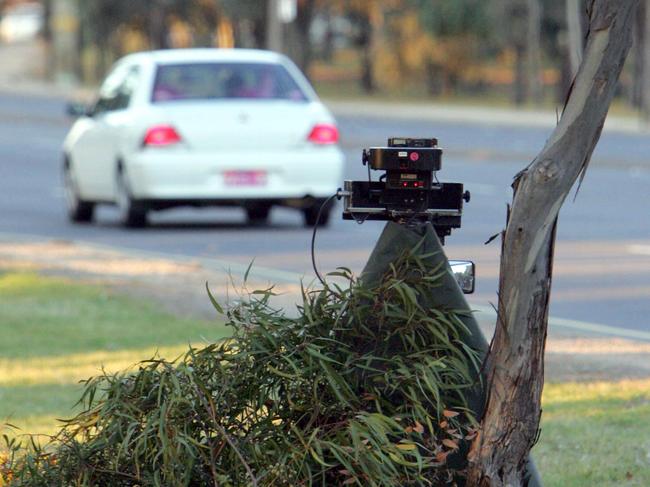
{"x": 408, "y": 191}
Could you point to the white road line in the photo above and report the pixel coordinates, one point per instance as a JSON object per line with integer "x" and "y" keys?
{"x": 638, "y": 249}
{"x": 577, "y": 325}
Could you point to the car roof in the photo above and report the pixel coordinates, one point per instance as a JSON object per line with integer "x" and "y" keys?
{"x": 207, "y": 55}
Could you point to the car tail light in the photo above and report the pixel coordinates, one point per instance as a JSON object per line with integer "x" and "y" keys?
{"x": 324, "y": 134}
{"x": 161, "y": 135}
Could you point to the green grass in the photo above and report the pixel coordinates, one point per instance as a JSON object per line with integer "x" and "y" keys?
{"x": 57, "y": 332}
{"x": 595, "y": 434}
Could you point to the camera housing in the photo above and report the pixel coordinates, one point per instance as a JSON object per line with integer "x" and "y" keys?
{"x": 408, "y": 192}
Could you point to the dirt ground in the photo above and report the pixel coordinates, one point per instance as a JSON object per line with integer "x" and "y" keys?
{"x": 179, "y": 287}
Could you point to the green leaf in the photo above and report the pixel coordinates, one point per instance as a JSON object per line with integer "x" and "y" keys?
{"x": 214, "y": 302}
{"x": 248, "y": 269}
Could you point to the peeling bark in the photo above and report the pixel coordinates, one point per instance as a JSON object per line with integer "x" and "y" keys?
{"x": 515, "y": 362}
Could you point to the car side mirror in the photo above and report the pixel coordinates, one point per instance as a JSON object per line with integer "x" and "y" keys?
{"x": 76, "y": 109}
{"x": 464, "y": 271}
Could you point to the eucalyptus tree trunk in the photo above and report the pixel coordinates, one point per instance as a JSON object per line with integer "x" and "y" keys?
{"x": 158, "y": 29}
{"x": 367, "y": 41}
{"x": 303, "y": 48}
{"x": 517, "y": 15}
{"x": 515, "y": 361}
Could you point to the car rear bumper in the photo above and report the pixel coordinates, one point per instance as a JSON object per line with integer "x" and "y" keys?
{"x": 297, "y": 203}
{"x": 172, "y": 175}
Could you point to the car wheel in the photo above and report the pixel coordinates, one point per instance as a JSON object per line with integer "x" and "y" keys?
{"x": 258, "y": 215}
{"x": 133, "y": 213}
{"x": 310, "y": 215}
{"x": 79, "y": 211}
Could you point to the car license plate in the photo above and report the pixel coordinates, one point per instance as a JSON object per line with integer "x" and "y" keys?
{"x": 244, "y": 178}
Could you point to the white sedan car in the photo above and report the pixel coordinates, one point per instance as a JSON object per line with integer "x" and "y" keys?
{"x": 202, "y": 127}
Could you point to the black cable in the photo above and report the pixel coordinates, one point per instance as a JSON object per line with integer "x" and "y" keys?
{"x": 313, "y": 235}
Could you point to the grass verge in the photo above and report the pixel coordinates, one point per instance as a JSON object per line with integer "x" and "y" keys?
{"x": 595, "y": 434}
{"x": 57, "y": 332}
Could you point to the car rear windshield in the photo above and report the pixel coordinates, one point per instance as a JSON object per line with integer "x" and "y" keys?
{"x": 209, "y": 81}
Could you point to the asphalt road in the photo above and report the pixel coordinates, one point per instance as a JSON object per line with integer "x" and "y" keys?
{"x": 602, "y": 271}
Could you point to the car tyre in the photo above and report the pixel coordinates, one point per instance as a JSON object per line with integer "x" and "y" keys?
{"x": 310, "y": 215}
{"x": 133, "y": 214}
{"x": 79, "y": 211}
{"x": 258, "y": 215}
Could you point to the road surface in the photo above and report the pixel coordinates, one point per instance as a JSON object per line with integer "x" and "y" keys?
{"x": 602, "y": 270}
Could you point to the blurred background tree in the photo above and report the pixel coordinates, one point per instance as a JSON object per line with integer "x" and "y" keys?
{"x": 519, "y": 51}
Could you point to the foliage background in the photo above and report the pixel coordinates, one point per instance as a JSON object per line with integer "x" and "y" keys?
{"x": 503, "y": 51}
